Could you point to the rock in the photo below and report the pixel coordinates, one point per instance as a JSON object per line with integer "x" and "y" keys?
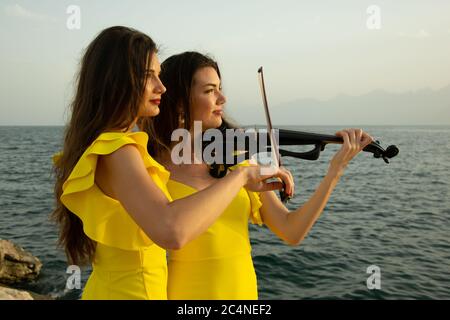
{"x": 17, "y": 265}
{"x": 13, "y": 294}
{"x": 7, "y": 293}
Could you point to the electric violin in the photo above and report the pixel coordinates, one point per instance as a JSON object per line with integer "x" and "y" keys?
{"x": 231, "y": 149}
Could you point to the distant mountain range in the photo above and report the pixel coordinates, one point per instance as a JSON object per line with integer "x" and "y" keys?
{"x": 379, "y": 107}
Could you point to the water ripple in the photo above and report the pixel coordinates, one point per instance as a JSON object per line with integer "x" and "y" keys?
{"x": 394, "y": 216}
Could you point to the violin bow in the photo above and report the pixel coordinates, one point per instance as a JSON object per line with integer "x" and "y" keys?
{"x": 274, "y": 146}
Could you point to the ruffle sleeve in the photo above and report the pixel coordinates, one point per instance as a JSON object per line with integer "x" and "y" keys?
{"x": 104, "y": 218}
{"x": 256, "y": 204}
{"x": 255, "y": 201}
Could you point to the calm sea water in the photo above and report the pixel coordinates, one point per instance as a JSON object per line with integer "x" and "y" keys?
{"x": 394, "y": 216}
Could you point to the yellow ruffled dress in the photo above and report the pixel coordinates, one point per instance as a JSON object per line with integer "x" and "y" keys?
{"x": 217, "y": 264}
{"x": 127, "y": 264}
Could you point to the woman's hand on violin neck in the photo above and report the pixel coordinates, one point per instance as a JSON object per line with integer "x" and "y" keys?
{"x": 355, "y": 140}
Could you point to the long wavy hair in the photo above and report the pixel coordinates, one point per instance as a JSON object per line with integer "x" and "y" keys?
{"x": 177, "y": 74}
{"x": 109, "y": 90}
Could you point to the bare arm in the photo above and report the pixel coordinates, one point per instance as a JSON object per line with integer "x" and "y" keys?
{"x": 293, "y": 227}
{"x": 168, "y": 224}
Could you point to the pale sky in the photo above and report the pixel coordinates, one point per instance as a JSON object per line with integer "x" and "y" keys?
{"x": 309, "y": 49}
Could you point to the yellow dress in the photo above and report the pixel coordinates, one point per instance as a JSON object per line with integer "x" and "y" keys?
{"x": 217, "y": 264}
{"x": 126, "y": 264}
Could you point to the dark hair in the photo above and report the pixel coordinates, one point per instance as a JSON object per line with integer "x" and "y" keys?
{"x": 110, "y": 87}
{"x": 177, "y": 74}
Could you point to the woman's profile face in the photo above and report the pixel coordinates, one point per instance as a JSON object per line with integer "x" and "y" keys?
{"x": 153, "y": 89}
{"x": 207, "y": 100}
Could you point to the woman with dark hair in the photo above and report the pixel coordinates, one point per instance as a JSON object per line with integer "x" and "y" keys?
{"x": 112, "y": 204}
{"x": 218, "y": 264}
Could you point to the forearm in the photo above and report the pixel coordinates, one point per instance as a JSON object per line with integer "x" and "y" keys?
{"x": 192, "y": 215}
{"x": 302, "y": 219}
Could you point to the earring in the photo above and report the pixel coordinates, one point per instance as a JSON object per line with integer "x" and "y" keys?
{"x": 181, "y": 120}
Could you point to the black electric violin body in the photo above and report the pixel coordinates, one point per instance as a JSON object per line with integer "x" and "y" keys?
{"x": 232, "y": 153}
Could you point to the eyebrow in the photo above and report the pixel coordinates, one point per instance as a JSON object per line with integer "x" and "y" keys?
{"x": 211, "y": 84}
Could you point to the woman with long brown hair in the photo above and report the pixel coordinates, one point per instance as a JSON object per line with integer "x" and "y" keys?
{"x": 218, "y": 263}
{"x": 112, "y": 204}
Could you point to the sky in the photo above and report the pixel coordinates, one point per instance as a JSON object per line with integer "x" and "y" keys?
{"x": 316, "y": 50}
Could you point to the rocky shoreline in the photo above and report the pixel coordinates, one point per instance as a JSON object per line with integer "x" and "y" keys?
{"x": 18, "y": 266}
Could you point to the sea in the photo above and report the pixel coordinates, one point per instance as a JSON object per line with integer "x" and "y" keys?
{"x": 384, "y": 233}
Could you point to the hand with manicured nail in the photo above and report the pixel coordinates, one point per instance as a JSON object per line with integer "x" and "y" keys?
{"x": 355, "y": 140}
